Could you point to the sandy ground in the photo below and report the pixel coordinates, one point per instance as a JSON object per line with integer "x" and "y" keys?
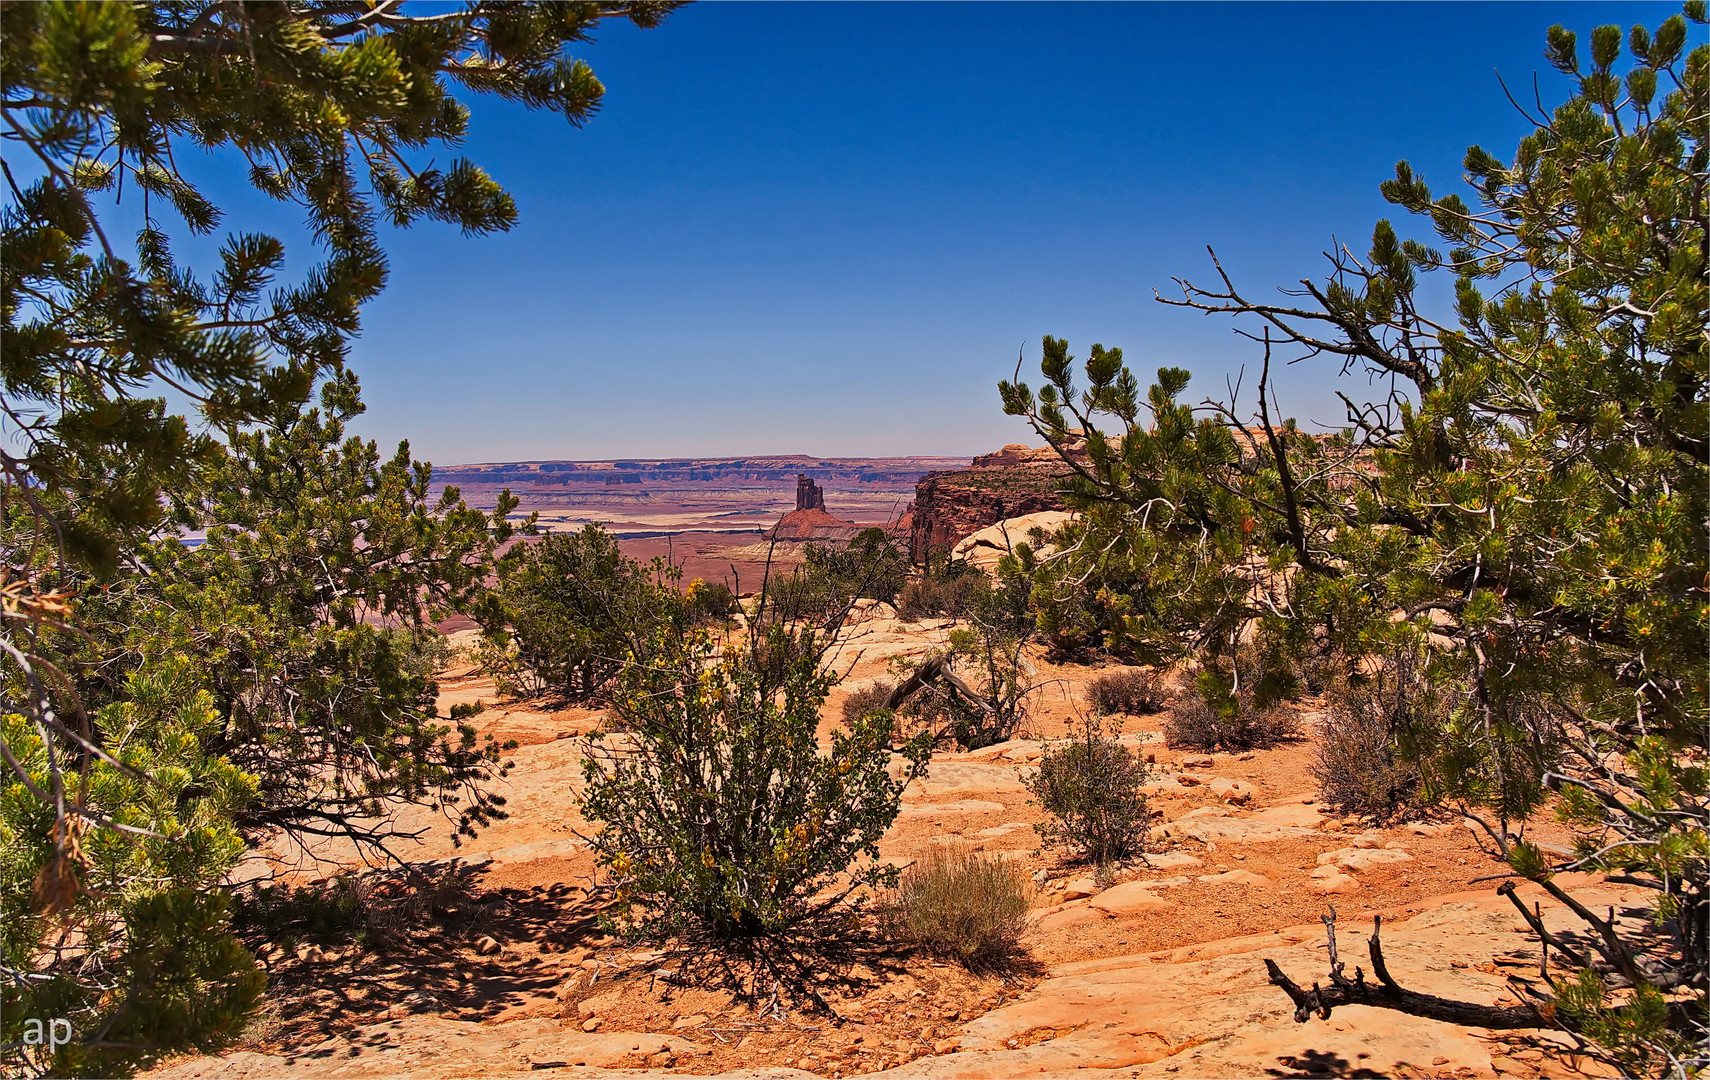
{"x": 1157, "y": 972}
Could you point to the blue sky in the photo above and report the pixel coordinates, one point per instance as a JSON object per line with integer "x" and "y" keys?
{"x": 829, "y": 228}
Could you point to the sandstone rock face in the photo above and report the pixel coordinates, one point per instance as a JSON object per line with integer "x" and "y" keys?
{"x": 986, "y": 546}
{"x": 1361, "y": 859}
{"x": 949, "y": 506}
{"x": 437, "y": 1047}
{"x": 1209, "y": 1009}
{"x": 966, "y": 778}
{"x": 1215, "y": 826}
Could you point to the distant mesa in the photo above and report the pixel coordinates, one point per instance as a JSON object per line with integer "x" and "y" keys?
{"x": 809, "y": 520}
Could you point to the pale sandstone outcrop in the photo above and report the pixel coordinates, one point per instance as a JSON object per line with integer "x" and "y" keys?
{"x": 1214, "y": 825}
{"x": 986, "y": 546}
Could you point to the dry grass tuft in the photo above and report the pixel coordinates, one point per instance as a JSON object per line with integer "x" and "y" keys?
{"x": 964, "y": 906}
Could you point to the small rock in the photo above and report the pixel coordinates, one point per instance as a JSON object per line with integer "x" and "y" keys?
{"x": 1235, "y": 877}
{"x": 1080, "y": 888}
{"x": 1128, "y": 898}
{"x": 1233, "y": 791}
{"x": 592, "y": 1023}
{"x": 947, "y": 1046}
{"x": 1171, "y": 860}
{"x": 1336, "y": 883}
{"x": 486, "y": 945}
{"x": 1363, "y": 859}
{"x": 1059, "y": 917}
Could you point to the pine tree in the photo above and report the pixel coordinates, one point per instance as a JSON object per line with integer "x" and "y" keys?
{"x": 1526, "y": 511}
{"x": 164, "y": 707}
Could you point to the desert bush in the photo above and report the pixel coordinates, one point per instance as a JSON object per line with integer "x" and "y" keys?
{"x": 569, "y": 611}
{"x": 1091, "y": 787}
{"x": 979, "y": 693}
{"x": 709, "y": 601}
{"x": 721, "y": 818}
{"x": 1132, "y": 691}
{"x": 936, "y": 597}
{"x": 1213, "y": 716}
{"x": 832, "y": 577}
{"x": 1361, "y": 766}
{"x": 866, "y": 700}
{"x": 960, "y": 905}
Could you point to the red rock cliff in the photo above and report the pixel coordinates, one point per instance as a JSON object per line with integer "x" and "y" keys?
{"x": 953, "y": 504}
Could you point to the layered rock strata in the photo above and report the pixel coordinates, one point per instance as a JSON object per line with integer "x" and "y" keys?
{"x": 951, "y": 505}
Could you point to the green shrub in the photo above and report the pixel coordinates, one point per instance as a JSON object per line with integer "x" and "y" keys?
{"x": 569, "y": 611}
{"x": 962, "y": 906}
{"x": 709, "y": 601}
{"x": 721, "y": 818}
{"x": 1131, "y": 691}
{"x": 1091, "y": 787}
{"x": 831, "y": 578}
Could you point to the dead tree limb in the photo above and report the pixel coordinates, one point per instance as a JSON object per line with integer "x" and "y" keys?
{"x": 1535, "y": 920}
{"x": 1386, "y": 993}
{"x": 933, "y": 670}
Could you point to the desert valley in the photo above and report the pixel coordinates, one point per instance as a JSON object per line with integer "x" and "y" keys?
{"x": 1154, "y": 967}
{"x": 403, "y": 674}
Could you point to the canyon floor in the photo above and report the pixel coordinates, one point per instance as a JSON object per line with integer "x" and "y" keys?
{"x": 1157, "y": 973}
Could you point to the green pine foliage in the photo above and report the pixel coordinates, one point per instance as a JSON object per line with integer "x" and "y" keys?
{"x": 164, "y": 706}
{"x": 331, "y": 108}
{"x": 1526, "y": 509}
{"x": 130, "y": 942}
